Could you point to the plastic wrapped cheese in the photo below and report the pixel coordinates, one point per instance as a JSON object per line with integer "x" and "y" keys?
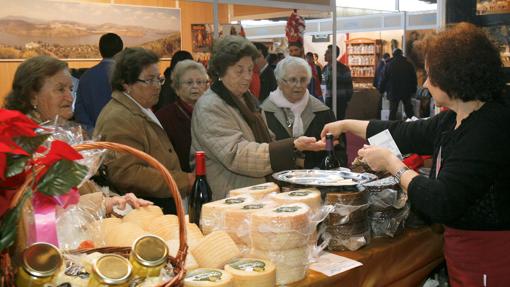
{"x": 161, "y": 225}
{"x": 212, "y": 212}
{"x": 308, "y": 196}
{"x": 283, "y": 227}
{"x": 208, "y": 277}
{"x": 215, "y": 250}
{"x": 124, "y": 234}
{"x": 291, "y": 264}
{"x": 143, "y": 215}
{"x": 173, "y": 247}
{"x": 258, "y": 191}
{"x": 237, "y": 220}
{"x": 250, "y": 272}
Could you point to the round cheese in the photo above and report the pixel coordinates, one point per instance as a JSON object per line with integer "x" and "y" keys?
{"x": 215, "y": 250}
{"x": 258, "y": 191}
{"x": 249, "y": 272}
{"x": 212, "y": 213}
{"x": 124, "y": 234}
{"x": 161, "y": 225}
{"x": 143, "y": 215}
{"x": 237, "y": 221}
{"x": 308, "y": 196}
{"x": 291, "y": 264}
{"x": 193, "y": 233}
{"x": 173, "y": 247}
{"x": 208, "y": 277}
{"x": 284, "y": 227}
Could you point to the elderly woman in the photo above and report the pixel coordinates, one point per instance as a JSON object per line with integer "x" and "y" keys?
{"x": 467, "y": 190}
{"x": 41, "y": 89}
{"x": 228, "y": 126}
{"x": 127, "y": 119}
{"x": 291, "y": 111}
{"x": 189, "y": 80}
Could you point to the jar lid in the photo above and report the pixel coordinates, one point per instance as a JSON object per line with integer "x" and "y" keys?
{"x": 42, "y": 259}
{"x": 112, "y": 269}
{"x": 150, "y": 251}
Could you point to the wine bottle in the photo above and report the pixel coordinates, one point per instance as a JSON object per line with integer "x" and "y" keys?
{"x": 330, "y": 161}
{"x": 201, "y": 192}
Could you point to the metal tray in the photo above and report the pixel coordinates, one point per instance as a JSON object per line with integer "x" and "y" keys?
{"x": 317, "y": 177}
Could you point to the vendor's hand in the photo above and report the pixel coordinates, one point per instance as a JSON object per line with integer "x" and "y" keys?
{"x": 303, "y": 143}
{"x": 121, "y": 201}
{"x": 377, "y": 158}
{"x": 336, "y": 128}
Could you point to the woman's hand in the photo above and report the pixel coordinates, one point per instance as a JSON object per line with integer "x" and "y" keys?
{"x": 303, "y": 143}
{"x": 121, "y": 201}
{"x": 336, "y": 128}
{"x": 356, "y": 127}
{"x": 378, "y": 158}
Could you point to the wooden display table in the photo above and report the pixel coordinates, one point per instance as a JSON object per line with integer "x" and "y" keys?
{"x": 402, "y": 261}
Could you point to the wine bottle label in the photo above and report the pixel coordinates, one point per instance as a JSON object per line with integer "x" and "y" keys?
{"x": 205, "y": 275}
{"x": 299, "y": 193}
{"x": 287, "y": 209}
{"x": 249, "y": 265}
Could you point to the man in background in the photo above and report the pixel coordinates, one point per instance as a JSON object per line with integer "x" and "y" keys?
{"x": 266, "y": 72}
{"x": 344, "y": 88}
{"x": 94, "y": 88}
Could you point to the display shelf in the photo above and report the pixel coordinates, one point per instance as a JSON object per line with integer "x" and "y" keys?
{"x": 363, "y": 56}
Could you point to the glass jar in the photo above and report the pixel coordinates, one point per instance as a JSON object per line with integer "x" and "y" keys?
{"x": 148, "y": 256}
{"x": 110, "y": 270}
{"x": 40, "y": 262}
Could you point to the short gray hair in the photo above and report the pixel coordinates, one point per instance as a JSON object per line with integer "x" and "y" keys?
{"x": 281, "y": 67}
{"x": 184, "y": 66}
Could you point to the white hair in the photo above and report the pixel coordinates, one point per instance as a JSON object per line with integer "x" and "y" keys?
{"x": 184, "y": 66}
{"x": 285, "y": 63}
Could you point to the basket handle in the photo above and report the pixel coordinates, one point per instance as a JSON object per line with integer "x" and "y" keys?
{"x": 174, "y": 192}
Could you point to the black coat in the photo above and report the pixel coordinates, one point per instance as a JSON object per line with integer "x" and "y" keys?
{"x": 267, "y": 83}
{"x": 399, "y": 79}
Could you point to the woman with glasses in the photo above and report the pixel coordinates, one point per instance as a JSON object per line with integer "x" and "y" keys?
{"x": 228, "y": 126}
{"x": 128, "y": 119}
{"x": 189, "y": 81}
{"x": 291, "y": 111}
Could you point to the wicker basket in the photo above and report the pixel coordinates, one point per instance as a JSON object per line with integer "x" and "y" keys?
{"x": 6, "y": 268}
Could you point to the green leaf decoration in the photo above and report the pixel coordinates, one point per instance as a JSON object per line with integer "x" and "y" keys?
{"x": 15, "y": 164}
{"x": 30, "y": 144}
{"x": 61, "y": 177}
{"x": 10, "y": 221}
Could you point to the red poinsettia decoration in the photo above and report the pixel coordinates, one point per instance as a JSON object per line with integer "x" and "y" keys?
{"x": 58, "y": 173}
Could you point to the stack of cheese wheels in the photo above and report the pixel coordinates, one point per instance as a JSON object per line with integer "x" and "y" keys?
{"x": 143, "y": 215}
{"x": 309, "y": 196}
{"x": 283, "y": 227}
{"x": 173, "y": 247}
{"x": 212, "y": 213}
{"x": 258, "y": 191}
{"x": 208, "y": 277}
{"x": 238, "y": 220}
{"x": 282, "y": 235}
{"x": 215, "y": 250}
{"x": 249, "y": 272}
{"x": 291, "y": 264}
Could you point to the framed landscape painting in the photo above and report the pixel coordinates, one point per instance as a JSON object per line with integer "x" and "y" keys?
{"x": 71, "y": 30}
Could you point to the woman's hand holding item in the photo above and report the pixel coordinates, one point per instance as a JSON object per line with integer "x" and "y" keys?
{"x": 121, "y": 201}
{"x": 303, "y": 143}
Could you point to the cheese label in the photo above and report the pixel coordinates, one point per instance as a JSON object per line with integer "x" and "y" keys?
{"x": 235, "y": 200}
{"x": 249, "y": 265}
{"x": 253, "y": 206}
{"x": 287, "y": 209}
{"x": 205, "y": 275}
{"x": 259, "y": 187}
{"x": 299, "y": 193}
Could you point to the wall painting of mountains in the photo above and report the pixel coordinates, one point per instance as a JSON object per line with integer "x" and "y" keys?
{"x": 71, "y": 30}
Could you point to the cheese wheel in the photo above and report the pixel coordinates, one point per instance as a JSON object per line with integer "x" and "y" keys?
{"x": 143, "y": 215}
{"x": 215, "y": 250}
{"x": 98, "y": 229}
{"x": 284, "y": 227}
{"x": 209, "y": 277}
{"x": 124, "y": 234}
{"x": 193, "y": 233}
{"x": 237, "y": 221}
{"x": 291, "y": 264}
{"x": 250, "y": 272}
{"x": 258, "y": 191}
{"x": 173, "y": 247}
{"x": 161, "y": 225}
{"x": 308, "y": 196}
{"x": 211, "y": 218}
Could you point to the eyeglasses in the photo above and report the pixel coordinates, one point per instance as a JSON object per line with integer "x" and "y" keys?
{"x": 296, "y": 81}
{"x": 154, "y": 82}
{"x": 190, "y": 83}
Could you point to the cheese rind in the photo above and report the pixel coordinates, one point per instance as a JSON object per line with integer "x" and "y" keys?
{"x": 173, "y": 248}
{"x": 258, "y": 191}
{"x": 250, "y": 272}
{"x": 208, "y": 277}
{"x": 237, "y": 221}
{"x": 308, "y": 196}
{"x": 142, "y": 215}
{"x": 291, "y": 264}
{"x": 211, "y": 218}
{"x": 215, "y": 250}
{"x": 161, "y": 225}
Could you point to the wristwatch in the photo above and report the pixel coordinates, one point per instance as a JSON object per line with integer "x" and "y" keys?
{"x": 400, "y": 172}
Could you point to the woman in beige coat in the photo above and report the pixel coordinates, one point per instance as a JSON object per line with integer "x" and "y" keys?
{"x": 127, "y": 119}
